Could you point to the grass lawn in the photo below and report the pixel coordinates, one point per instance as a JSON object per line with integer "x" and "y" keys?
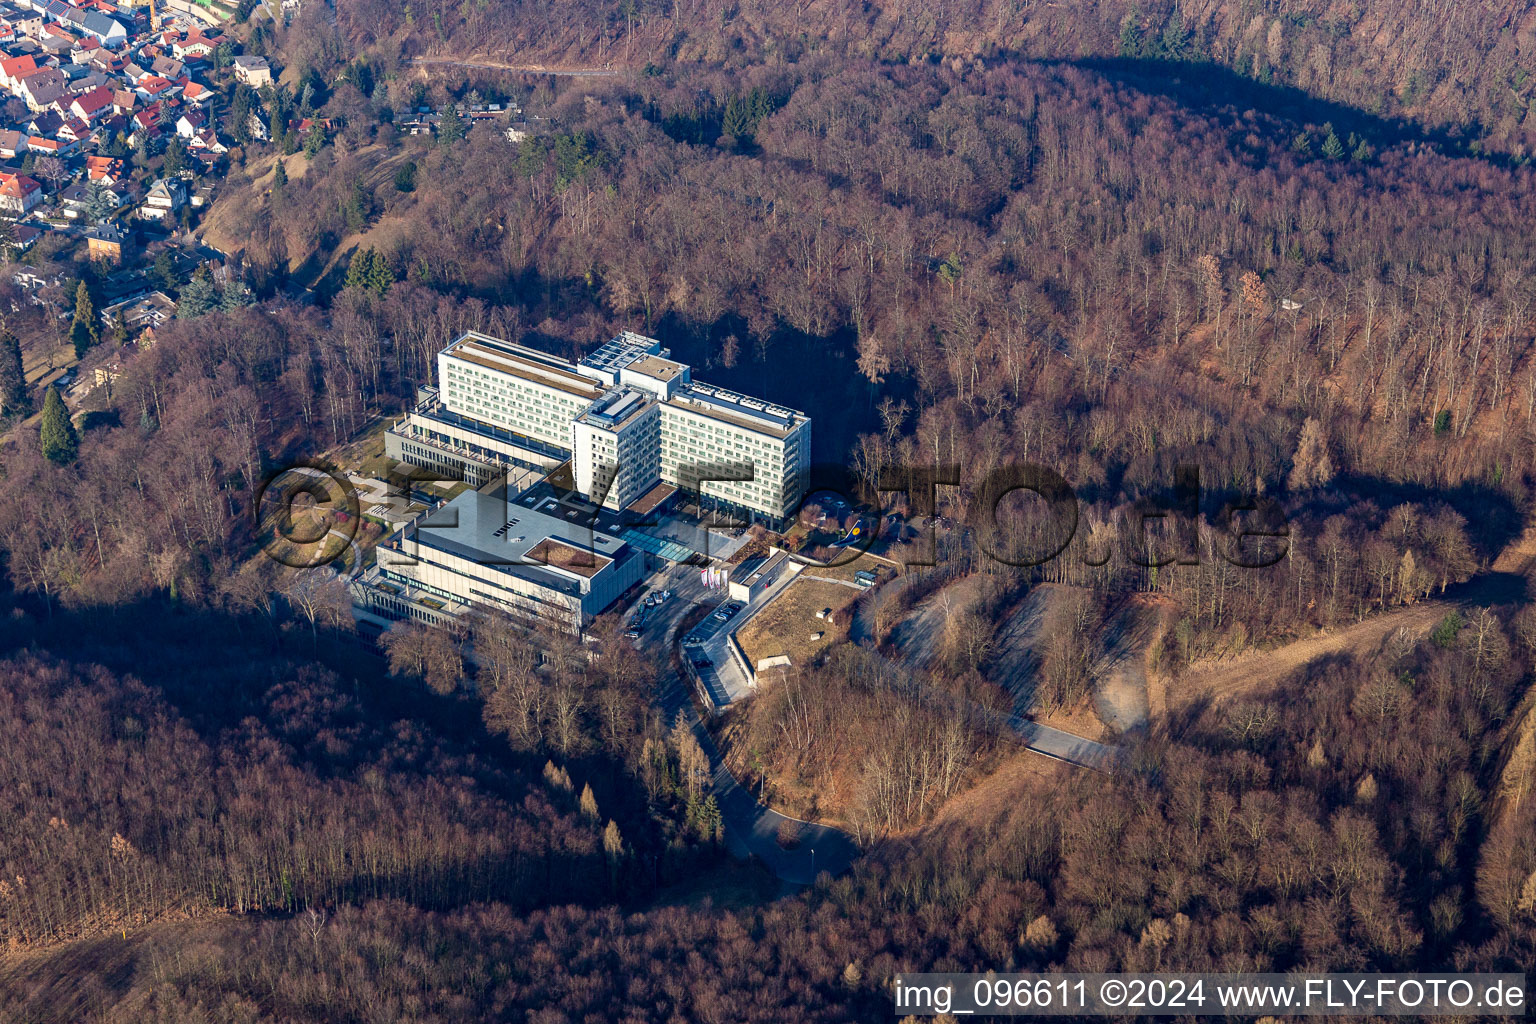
{"x": 789, "y": 621}
{"x": 365, "y": 450}
{"x": 375, "y": 467}
{"x": 43, "y": 364}
{"x": 845, "y": 572}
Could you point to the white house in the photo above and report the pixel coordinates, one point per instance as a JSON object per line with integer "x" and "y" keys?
{"x": 165, "y": 197}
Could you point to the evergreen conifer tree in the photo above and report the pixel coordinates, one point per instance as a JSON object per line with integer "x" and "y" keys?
{"x": 13, "y": 380}
{"x": 60, "y": 442}
{"x": 82, "y": 330}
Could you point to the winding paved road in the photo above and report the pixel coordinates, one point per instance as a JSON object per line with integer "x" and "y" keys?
{"x": 750, "y": 827}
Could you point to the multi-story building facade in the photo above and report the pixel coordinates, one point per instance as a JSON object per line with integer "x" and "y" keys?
{"x": 627, "y": 416}
{"x": 478, "y": 550}
{"x": 514, "y": 387}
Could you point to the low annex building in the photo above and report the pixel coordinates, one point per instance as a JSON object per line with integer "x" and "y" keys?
{"x": 478, "y": 549}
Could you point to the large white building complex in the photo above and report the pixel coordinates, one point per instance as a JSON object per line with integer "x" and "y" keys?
{"x": 626, "y": 417}
{"x": 532, "y": 563}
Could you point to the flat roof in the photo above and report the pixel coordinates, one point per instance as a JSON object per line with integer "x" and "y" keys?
{"x": 580, "y": 561}
{"x": 616, "y": 408}
{"x": 511, "y": 538}
{"x": 621, "y": 350}
{"x": 655, "y": 366}
{"x": 708, "y": 405}
{"x": 755, "y": 569}
{"x": 651, "y": 499}
{"x": 526, "y": 363}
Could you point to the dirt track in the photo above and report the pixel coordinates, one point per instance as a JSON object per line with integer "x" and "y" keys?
{"x": 532, "y": 69}
{"x": 1222, "y": 679}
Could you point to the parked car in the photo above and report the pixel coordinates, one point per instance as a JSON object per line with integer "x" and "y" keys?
{"x": 702, "y": 663}
{"x": 632, "y": 633}
{"x": 692, "y": 641}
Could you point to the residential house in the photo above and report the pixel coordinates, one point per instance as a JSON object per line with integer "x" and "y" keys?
{"x": 207, "y": 158}
{"x": 43, "y": 146}
{"x": 206, "y": 145}
{"x": 153, "y": 87}
{"x": 107, "y": 241}
{"x": 83, "y": 53}
{"x": 23, "y": 235}
{"x": 83, "y": 78}
{"x": 165, "y": 198}
{"x": 253, "y": 71}
{"x": 107, "y": 62}
{"x": 104, "y": 170}
{"x": 256, "y": 127}
{"x": 42, "y": 88}
{"x": 123, "y": 101}
{"x": 14, "y": 69}
{"x": 46, "y": 123}
{"x": 12, "y": 143}
{"x": 104, "y": 29}
{"x": 92, "y": 106}
{"x": 114, "y": 126}
{"x": 195, "y": 93}
{"x": 167, "y": 67}
{"x": 19, "y": 193}
{"x": 196, "y": 44}
{"x": 56, "y": 39}
{"x": 75, "y": 130}
{"x": 191, "y": 123}
{"x": 75, "y": 199}
{"x": 142, "y": 314}
{"x": 147, "y": 122}
{"x": 421, "y": 124}
{"x": 301, "y": 129}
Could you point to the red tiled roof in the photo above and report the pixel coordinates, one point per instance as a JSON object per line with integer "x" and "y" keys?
{"x": 18, "y": 185}
{"x": 96, "y": 99}
{"x": 17, "y": 66}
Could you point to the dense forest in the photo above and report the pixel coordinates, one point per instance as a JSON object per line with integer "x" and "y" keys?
{"x": 1286, "y": 244}
{"x": 1455, "y": 68}
{"x": 1371, "y": 825}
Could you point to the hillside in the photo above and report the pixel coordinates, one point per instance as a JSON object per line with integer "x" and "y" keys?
{"x": 1457, "y": 69}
